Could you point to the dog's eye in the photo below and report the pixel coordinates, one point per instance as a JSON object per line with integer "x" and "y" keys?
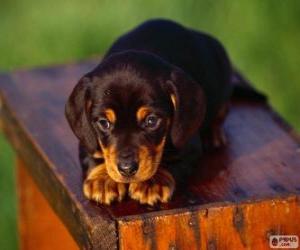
{"x": 104, "y": 124}
{"x": 152, "y": 121}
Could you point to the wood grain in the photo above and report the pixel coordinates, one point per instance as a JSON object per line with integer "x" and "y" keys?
{"x": 261, "y": 160}
{"x": 39, "y": 226}
{"x": 247, "y": 225}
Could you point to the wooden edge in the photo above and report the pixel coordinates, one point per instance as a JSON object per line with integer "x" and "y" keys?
{"x": 247, "y": 225}
{"x": 97, "y": 232}
{"x": 211, "y": 205}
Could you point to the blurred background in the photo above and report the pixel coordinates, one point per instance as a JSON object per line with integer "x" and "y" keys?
{"x": 261, "y": 37}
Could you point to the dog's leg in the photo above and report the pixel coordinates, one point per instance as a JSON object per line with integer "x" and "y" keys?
{"x": 214, "y": 137}
{"x": 98, "y": 186}
{"x": 157, "y": 189}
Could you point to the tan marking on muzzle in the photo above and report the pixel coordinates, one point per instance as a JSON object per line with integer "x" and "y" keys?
{"x": 109, "y": 155}
{"x": 149, "y": 164}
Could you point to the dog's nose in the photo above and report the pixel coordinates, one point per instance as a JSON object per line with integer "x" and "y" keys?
{"x": 128, "y": 169}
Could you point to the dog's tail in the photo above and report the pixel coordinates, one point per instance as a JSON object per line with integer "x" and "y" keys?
{"x": 243, "y": 90}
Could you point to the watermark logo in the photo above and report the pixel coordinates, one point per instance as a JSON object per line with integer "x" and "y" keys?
{"x": 284, "y": 241}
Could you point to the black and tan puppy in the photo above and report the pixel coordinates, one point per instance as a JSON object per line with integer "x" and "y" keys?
{"x": 159, "y": 91}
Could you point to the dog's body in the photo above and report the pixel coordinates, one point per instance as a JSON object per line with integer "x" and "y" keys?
{"x": 159, "y": 92}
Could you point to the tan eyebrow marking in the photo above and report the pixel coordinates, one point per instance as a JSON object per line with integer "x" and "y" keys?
{"x": 142, "y": 112}
{"x": 110, "y": 115}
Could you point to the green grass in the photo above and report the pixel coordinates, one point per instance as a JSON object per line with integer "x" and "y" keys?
{"x": 262, "y": 38}
{"x": 8, "y": 235}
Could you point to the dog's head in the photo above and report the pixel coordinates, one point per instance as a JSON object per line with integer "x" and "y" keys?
{"x": 129, "y": 106}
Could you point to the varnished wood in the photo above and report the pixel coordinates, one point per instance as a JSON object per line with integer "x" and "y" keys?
{"x": 218, "y": 226}
{"x": 261, "y": 160}
{"x": 39, "y": 226}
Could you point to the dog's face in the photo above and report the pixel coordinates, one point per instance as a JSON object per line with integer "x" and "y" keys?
{"x": 127, "y": 108}
{"x": 131, "y": 117}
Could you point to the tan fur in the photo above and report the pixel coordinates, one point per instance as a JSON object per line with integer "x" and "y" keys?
{"x": 98, "y": 186}
{"x": 142, "y": 112}
{"x": 173, "y": 99}
{"x": 97, "y": 155}
{"x": 110, "y": 115}
{"x": 109, "y": 155}
{"x": 148, "y": 165}
{"x": 158, "y": 189}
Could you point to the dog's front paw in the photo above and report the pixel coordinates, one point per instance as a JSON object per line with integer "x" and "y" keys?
{"x": 98, "y": 186}
{"x": 157, "y": 189}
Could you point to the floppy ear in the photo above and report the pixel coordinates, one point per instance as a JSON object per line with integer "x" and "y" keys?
{"x": 76, "y": 113}
{"x": 189, "y": 107}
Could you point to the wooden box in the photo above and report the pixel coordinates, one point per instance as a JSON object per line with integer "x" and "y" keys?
{"x": 239, "y": 197}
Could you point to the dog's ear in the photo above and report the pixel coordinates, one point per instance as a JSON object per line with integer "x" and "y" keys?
{"x": 189, "y": 105}
{"x": 76, "y": 110}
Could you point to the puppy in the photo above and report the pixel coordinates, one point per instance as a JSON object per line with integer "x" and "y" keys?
{"x": 159, "y": 94}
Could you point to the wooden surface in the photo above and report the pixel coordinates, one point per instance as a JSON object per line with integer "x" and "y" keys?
{"x": 221, "y": 226}
{"x": 39, "y": 226}
{"x": 261, "y": 162}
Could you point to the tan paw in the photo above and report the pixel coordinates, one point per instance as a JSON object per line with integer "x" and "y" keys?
{"x": 99, "y": 187}
{"x": 158, "y": 189}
